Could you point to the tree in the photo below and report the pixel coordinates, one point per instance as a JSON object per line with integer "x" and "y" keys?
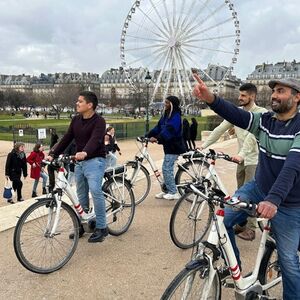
{"x": 263, "y": 97}
{"x": 16, "y": 99}
{"x": 62, "y": 97}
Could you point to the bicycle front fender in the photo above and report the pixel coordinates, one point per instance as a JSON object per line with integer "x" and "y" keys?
{"x": 193, "y": 264}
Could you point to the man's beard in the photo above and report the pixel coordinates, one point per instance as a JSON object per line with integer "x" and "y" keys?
{"x": 244, "y": 103}
{"x": 282, "y": 107}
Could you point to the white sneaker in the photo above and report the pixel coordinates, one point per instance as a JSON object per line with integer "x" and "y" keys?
{"x": 160, "y": 195}
{"x": 175, "y": 196}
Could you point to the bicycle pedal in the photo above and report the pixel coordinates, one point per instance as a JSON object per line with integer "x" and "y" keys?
{"x": 229, "y": 285}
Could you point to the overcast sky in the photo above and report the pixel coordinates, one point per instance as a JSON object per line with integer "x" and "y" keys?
{"x": 83, "y": 36}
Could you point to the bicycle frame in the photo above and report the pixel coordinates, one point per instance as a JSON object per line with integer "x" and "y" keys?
{"x": 218, "y": 236}
{"x": 63, "y": 186}
{"x": 144, "y": 154}
{"x": 212, "y": 175}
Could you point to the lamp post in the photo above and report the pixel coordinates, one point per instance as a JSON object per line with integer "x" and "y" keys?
{"x": 148, "y": 80}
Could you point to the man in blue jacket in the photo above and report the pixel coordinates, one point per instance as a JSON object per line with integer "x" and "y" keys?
{"x": 276, "y": 186}
{"x": 168, "y": 132}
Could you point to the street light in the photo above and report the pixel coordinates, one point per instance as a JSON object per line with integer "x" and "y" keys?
{"x": 148, "y": 80}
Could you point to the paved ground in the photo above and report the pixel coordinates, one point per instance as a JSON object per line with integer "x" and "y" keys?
{"x": 137, "y": 265}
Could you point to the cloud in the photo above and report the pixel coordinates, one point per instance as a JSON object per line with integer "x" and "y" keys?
{"x": 83, "y": 36}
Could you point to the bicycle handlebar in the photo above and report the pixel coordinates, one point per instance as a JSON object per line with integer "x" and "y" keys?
{"x": 218, "y": 196}
{"x": 56, "y": 162}
{"x": 142, "y": 139}
{"x": 244, "y": 205}
{"x": 211, "y": 154}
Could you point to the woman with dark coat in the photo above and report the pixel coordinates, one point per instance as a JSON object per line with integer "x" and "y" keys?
{"x": 193, "y": 132}
{"x": 37, "y": 169}
{"x": 15, "y": 165}
{"x": 186, "y": 134}
{"x": 168, "y": 132}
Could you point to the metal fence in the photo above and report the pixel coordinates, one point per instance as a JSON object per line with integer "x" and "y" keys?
{"x": 127, "y": 130}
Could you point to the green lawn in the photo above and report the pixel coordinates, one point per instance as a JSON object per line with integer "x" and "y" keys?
{"x": 125, "y": 127}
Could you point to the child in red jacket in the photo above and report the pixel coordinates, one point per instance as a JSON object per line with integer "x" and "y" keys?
{"x": 37, "y": 170}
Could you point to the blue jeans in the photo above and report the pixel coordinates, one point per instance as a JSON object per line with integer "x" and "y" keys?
{"x": 286, "y": 229}
{"x": 168, "y": 172}
{"x": 89, "y": 176}
{"x": 44, "y": 176}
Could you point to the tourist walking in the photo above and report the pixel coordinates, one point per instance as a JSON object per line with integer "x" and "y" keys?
{"x": 193, "y": 132}
{"x": 37, "y": 168}
{"x": 111, "y": 147}
{"x": 186, "y": 134}
{"x": 14, "y": 167}
{"x": 51, "y": 170}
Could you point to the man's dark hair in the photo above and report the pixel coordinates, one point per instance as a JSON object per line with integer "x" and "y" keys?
{"x": 248, "y": 87}
{"x": 90, "y": 97}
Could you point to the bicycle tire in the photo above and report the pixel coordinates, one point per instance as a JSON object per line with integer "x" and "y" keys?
{"x": 190, "y": 285}
{"x": 141, "y": 185}
{"x": 189, "y": 172}
{"x": 34, "y": 254}
{"x": 188, "y": 224}
{"x": 270, "y": 270}
{"x": 119, "y": 221}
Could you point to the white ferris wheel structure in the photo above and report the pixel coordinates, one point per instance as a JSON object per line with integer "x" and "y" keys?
{"x": 169, "y": 37}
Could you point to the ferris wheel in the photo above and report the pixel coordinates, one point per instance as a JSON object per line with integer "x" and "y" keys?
{"x": 169, "y": 37}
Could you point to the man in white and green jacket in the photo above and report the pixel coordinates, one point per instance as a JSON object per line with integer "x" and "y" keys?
{"x": 247, "y": 155}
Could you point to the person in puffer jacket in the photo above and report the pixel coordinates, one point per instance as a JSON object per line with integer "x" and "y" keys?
{"x": 168, "y": 132}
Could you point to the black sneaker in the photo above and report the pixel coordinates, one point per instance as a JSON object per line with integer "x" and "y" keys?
{"x": 34, "y": 194}
{"x": 98, "y": 235}
{"x": 81, "y": 233}
{"x": 11, "y": 201}
{"x": 44, "y": 191}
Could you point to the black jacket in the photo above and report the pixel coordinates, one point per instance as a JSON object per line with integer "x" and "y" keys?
{"x": 193, "y": 131}
{"x": 15, "y": 165}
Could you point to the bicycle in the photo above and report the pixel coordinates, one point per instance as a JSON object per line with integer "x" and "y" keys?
{"x": 191, "y": 216}
{"x": 139, "y": 175}
{"x": 42, "y": 240}
{"x": 200, "y": 279}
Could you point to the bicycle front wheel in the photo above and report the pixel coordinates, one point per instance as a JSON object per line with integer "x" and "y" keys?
{"x": 36, "y": 248}
{"x": 270, "y": 272}
{"x": 120, "y": 206}
{"x": 140, "y": 180}
{"x": 190, "y": 172}
{"x": 190, "y": 220}
{"x": 193, "y": 283}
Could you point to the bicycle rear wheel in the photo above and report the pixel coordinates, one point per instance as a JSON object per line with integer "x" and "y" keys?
{"x": 140, "y": 179}
{"x": 193, "y": 283}
{"x": 120, "y": 206}
{"x": 190, "y": 220}
{"x": 35, "y": 248}
{"x": 190, "y": 172}
{"x": 270, "y": 271}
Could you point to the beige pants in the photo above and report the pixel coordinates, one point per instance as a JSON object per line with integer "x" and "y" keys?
{"x": 243, "y": 175}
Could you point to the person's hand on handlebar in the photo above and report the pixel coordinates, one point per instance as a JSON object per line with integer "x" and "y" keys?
{"x": 49, "y": 158}
{"x": 80, "y": 155}
{"x": 237, "y": 158}
{"x": 266, "y": 209}
{"x": 153, "y": 140}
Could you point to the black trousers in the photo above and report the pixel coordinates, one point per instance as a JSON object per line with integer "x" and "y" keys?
{"x": 51, "y": 174}
{"x": 17, "y": 185}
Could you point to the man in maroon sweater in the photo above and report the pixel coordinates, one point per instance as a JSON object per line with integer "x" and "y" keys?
{"x": 88, "y": 130}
